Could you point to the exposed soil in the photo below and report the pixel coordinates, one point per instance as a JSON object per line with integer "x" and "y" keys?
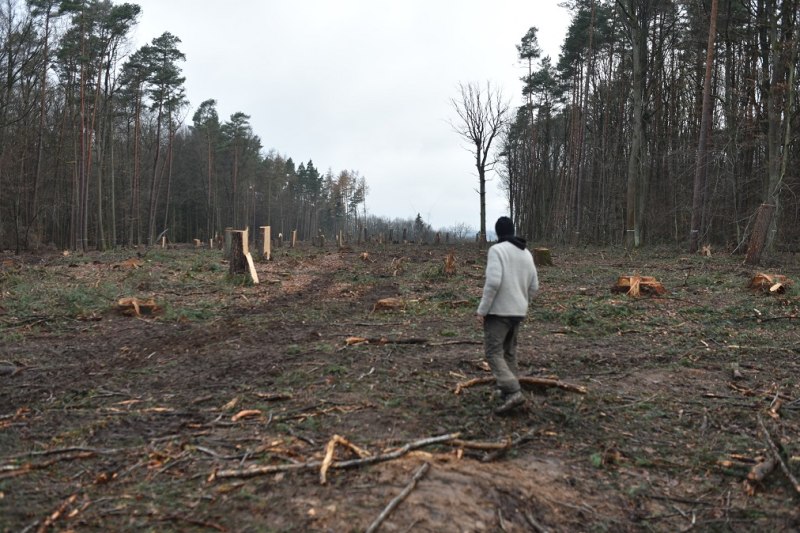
{"x": 110, "y": 422}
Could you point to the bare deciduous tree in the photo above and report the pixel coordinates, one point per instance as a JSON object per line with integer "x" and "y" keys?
{"x": 481, "y": 117}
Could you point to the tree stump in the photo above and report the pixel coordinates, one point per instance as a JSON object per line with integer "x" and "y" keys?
{"x": 450, "y": 264}
{"x": 636, "y": 285}
{"x": 542, "y": 257}
{"x": 267, "y": 245}
{"x": 294, "y": 238}
{"x": 238, "y": 247}
{"x": 241, "y": 262}
{"x": 760, "y": 234}
{"x": 770, "y": 283}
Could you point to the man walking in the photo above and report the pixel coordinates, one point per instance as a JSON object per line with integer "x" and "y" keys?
{"x": 511, "y": 281}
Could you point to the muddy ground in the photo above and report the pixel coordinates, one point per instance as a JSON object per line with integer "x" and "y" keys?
{"x": 213, "y": 413}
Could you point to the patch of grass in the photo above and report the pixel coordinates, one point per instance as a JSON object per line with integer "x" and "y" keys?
{"x": 294, "y": 349}
{"x": 82, "y": 300}
{"x": 239, "y": 280}
{"x": 323, "y": 347}
{"x": 336, "y": 370}
{"x": 596, "y": 460}
{"x": 204, "y": 311}
{"x": 292, "y": 378}
{"x": 394, "y": 401}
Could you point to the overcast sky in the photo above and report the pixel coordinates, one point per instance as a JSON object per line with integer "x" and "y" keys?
{"x": 361, "y": 85}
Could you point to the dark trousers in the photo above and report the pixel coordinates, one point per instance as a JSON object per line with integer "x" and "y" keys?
{"x": 500, "y": 343}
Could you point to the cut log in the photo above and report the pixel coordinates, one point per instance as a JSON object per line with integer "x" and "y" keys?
{"x": 387, "y": 304}
{"x": 771, "y": 283}
{"x": 542, "y": 257}
{"x": 636, "y": 285}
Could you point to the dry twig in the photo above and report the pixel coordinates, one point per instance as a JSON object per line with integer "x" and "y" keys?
{"x": 55, "y": 515}
{"x": 777, "y": 455}
{"x": 475, "y": 445}
{"x": 421, "y": 471}
{"x": 7, "y": 471}
{"x": 329, "y": 449}
{"x": 516, "y": 442}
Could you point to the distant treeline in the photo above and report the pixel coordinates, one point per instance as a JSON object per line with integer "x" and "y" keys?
{"x": 97, "y": 150}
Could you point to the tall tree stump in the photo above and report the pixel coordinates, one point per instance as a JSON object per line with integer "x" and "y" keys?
{"x": 241, "y": 262}
{"x": 266, "y": 245}
{"x": 238, "y": 247}
{"x": 758, "y": 238}
{"x": 294, "y": 238}
{"x": 542, "y": 257}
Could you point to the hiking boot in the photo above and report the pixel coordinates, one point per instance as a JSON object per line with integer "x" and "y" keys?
{"x": 511, "y": 402}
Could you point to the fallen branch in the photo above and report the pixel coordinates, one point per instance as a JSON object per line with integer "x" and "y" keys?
{"x": 329, "y": 449}
{"x": 271, "y": 469}
{"x": 516, "y": 442}
{"x": 193, "y": 521}
{"x": 70, "y": 449}
{"x": 449, "y": 343}
{"x": 481, "y": 445}
{"x": 777, "y": 455}
{"x": 55, "y": 515}
{"x": 421, "y": 471}
{"x": 381, "y": 341}
{"x": 7, "y": 471}
{"x": 525, "y": 381}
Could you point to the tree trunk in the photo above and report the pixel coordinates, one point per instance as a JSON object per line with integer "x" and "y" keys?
{"x": 701, "y": 166}
{"x": 638, "y": 23}
{"x": 760, "y": 234}
{"x": 238, "y": 260}
{"x": 482, "y": 193}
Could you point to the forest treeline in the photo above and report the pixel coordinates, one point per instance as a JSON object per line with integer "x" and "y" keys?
{"x": 98, "y": 148}
{"x": 641, "y": 132}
